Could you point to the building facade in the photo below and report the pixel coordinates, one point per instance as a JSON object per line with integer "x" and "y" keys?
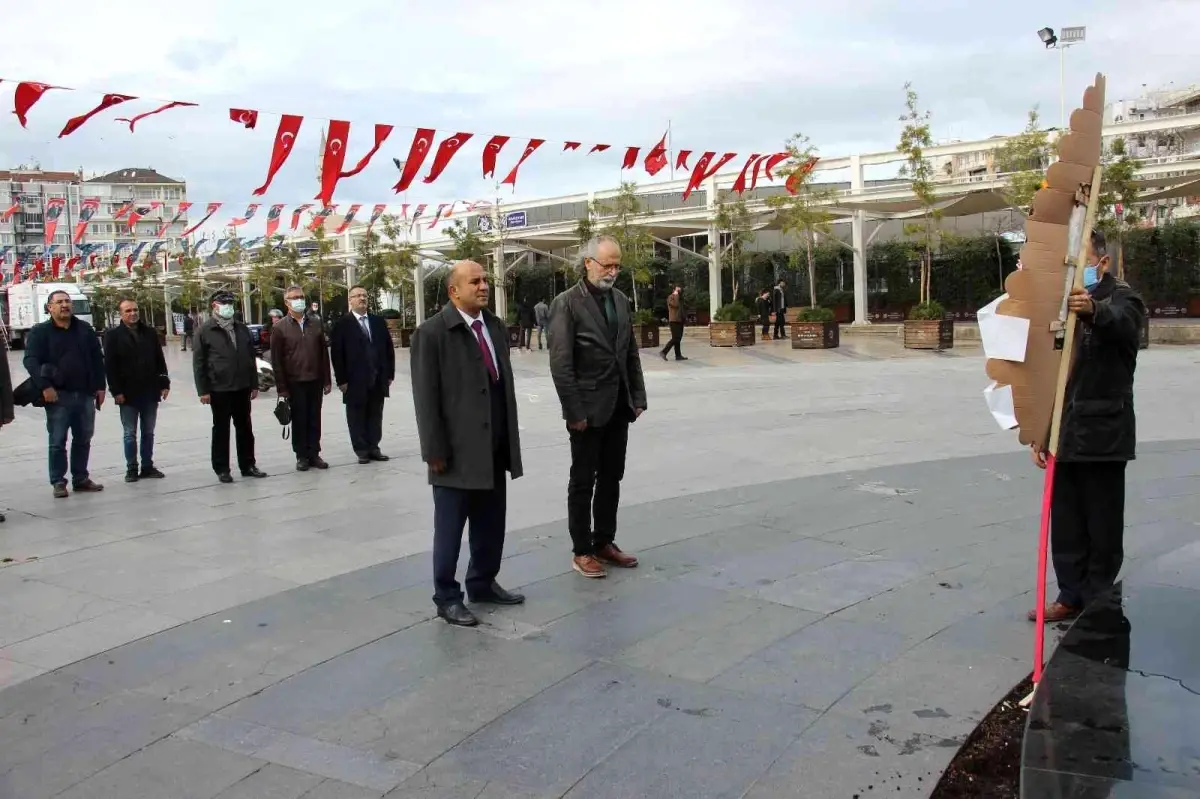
{"x": 157, "y": 199}
{"x": 28, "y": 190}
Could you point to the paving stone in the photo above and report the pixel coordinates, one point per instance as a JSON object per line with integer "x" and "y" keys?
{"x": 31, "y": 607}
{"x": 841, "y": 585}
{"x": 273, "y": 781}
{"x": 12, "y": 672}
{"x": 174, "y": 768}
{"x": 755, "y": 571}
{"x": 77, "y": 641}
{"x": 358, "y": 768}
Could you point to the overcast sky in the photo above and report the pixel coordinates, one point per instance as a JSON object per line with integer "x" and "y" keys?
{"x": 731, "y": 76}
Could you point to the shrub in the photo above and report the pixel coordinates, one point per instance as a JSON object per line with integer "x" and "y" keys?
{"x": 390, "y": 313}
{"x": 817, "y": 314}
{"x": 732, "y": 312}
{"x": 645, "y": 316}
{"x": 931, "y": 311}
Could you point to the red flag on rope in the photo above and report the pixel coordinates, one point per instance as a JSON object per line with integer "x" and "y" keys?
{"x": 494, "y": 145}
{"x": 631, "y": 154}
{"x": 376, "y": 212}
{"x": 656, "y": 159}
{"x": 682, "y": 159}
{"x": 208, "y": 212}
{"x": 422, "y": 141}
{"x": 703, "y": 170}
{"x": 54, "y": 209}
{"x": 26, "y": 95}
{"x": 285, "y": 140}
{"x": 739, "y": 185}
{"x": 446, "y": 150}
{"x": 599, "y": 148}
{"x": 159, "y": 110}
{"x": 251, "y": 210}
{"x": 511, "y": 179}
{"x": 87, "y": 209}
{"x": 179, "y": 212}
{"x": 246, "y": 117}
{"x": 273, "y": 214}
{"x": 75, "y": 123}
{"x": 571, "y": 145}
{"x": 347, "y": 219}
{"x": 296, "y": 214}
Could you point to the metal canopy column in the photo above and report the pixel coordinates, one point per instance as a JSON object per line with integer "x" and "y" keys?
{"x": 857, "y": 223}
{"x": 714, "y": 249}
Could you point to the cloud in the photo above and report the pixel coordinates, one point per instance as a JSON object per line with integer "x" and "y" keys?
{"x": 729, "y": 76}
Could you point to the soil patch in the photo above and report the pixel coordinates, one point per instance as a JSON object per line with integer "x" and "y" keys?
{"x": 988, "y": 766}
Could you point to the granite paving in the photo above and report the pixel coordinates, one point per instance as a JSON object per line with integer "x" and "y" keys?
{"x": 837, "y": 551}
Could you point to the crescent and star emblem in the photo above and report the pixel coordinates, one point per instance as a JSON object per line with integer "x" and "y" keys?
{"x": 335, "y": 146}
{"x": 286, "y": 138}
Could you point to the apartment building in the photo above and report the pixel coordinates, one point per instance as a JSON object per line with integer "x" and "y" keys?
{"x": 158, "y": 196}
{"x": 29, "y": 188}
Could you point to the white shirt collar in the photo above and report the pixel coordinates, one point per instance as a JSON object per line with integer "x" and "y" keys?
{"x": 358, "y": 315}
{"x": 470, "y": 320}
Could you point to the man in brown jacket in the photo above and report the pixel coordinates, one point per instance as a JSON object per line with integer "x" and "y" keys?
{"x": 675, "y": 321}
{"x": 300, "y": 358}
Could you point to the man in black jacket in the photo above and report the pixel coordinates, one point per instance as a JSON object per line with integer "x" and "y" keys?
{"x": 1098, "y": 438}
{"x": 227, "y": 382}
{"x": 763, "y": 305}
{"x": 6, "y": 388}
{"x": 597, "y": 372}
{"x": 64, "y": 361}
{"x": 364, "y": 365}
{"x": 779, "y": 297}
{"x": 138, "y": 381}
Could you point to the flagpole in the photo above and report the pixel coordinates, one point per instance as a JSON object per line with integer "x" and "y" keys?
{"x": 670, "y": 151}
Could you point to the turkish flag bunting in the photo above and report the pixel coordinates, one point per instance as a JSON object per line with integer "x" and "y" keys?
{"x": 381, "y": 134}
{"x": 87, "y": 209}
{"x": 273, "y": 214}
{"x": 320, "y": 216}
{"x": 179, "y": 212}
{"x": 72, "y": 262}
{"x": 296, "y": 214}
{"x": 445, "y": 152}
{"x": 285, "y": 139}
{"x": 38, "y": 266}
{"x": 208, "y": 212}
{"x": 494, "y": 145}
{"x": 55, "y": 264}
{"x": 599, "y": 148}
{"x": 774, "y": 161}
{"x": 376, "y": 212}
{"x": 797, "y": 177}
{"x": 739, "y": 185}
{"x": 511, "y": 179}
{"x": 571, "y": 145}
{"x": 682, "y": 159}
{"x": 54, "y": 209}
{"x": 75, "y": 123}
{"x": 422, "y": 141}
{"x": 137, "y": 212}
{"x": 336, "y": 140}
{"x": 441, "y": 207}
{"x": 244, "y": 116}
{"x": 656, "y": 159}
{"x": 133, "y": 256}
{"x": 159, "y": 110}
{"x": 26, "y": 95}
{"x": 703, "y": 171}
{"x": 420, "y": 209}
{"x": 12, "y": 209}
{"x": 348, "y": 218}
{"x": 251, "y": 210}
{"x": 631, "y": 154}
{"x": 124, "y": 209}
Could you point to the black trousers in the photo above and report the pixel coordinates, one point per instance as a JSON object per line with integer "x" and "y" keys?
{"x": 780, "y": 318}
{"x": 526, "y": 337}
{"x": 231, "y": 406}
{"x": 594, "y": 487}
{"x": 765, "y": 321}
{"x": 485, "y": 510}
{"x": 676, "y": 338}
{"x": 1087, "y": 525}
{"x": 306, "y": 399}
{"x": 364, "y": 418}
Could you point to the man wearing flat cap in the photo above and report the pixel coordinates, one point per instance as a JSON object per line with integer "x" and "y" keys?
{"x": 227, "y": 381}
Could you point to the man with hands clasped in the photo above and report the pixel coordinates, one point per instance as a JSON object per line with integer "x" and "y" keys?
{"x": 300, "y": 357}
{"x": 138, "y": 381}
{"x": 364, "y": 364}
{"x": 1098, "y": 438}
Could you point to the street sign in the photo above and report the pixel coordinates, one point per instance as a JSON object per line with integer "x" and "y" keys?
{"x": 1072, "y": 35}
{"x": 513, "y": 219}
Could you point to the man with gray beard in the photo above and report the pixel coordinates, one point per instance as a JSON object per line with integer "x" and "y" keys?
{"x": 597, "y": 373}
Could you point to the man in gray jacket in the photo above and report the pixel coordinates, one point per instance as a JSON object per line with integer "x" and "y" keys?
{"x": 466, "y": 411}
{"x": 597, "y": 372}
{"x": 541, "y": 316}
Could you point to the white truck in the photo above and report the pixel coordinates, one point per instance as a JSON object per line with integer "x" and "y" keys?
{"x": 25, "y": 305}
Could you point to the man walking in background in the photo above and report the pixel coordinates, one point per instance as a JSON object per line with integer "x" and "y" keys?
{"x": 541, "y": 316}
{"x": 138, "y": 381}
{"x": 597, "y": 372}
{"x": 763, "y": 306}
{"x": 227, "y": 381}
{"x": 364, "y": 365}
{"x": 526, "y": 320}
{"x": 675, "y": 322}
{"x": 189, "y": 330}
{"x": 300, "y": 357}
{"x": 466, "y": 411}
{"x": 64, "y": 361}
{"x": 780, "y": 303}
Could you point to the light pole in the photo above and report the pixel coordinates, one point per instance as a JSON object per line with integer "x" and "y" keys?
{"x": 1070, "y": 36}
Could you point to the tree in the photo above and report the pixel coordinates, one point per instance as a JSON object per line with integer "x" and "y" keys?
{"x": 1117, "y": 187}
{"x": 804, "y": 210}
{"x": 637, "y": 245}
{"x": 469, "y": 245}
{"x": 400, "y": 260}
{"x": 191, "y": 287}
{"x": 733, "y": 219}
{"x": 1025, "y": 158}
{"x": 324, "y": 268}
{"x": 372, "y": 269}
{"x": 914, "y": 138}
{"x": 264, "y": 275}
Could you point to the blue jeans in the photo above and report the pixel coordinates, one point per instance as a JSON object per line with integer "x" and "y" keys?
{"x": 145, "y": 410}
{"x": 75, "y": 412}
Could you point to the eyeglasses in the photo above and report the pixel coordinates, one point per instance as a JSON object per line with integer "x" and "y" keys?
{"x": 606, "y": 267}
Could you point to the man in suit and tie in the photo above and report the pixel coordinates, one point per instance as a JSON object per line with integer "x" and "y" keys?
{"x": 364, "y": 365}
{"x": 597, "y": 371}
{"x": 466, "y": 411}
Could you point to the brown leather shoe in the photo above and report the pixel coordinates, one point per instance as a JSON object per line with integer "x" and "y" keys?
{"x": 87, "y": 486}
{"x": 588, "y": 566}
{"x": 1055, "y": 611}
{"x": 613, "y": 556}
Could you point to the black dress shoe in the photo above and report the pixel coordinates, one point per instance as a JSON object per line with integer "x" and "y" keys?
{"x": 302, "y": 464}
{"x": 363, "y": 457}
{"x": 457, "y": 615}
{"x": 681, "y": 358}
{"x": 498, "y": 596}
{"x": 317, "y": 462}
{"x": 663, "y": 355}
{"x": 225, "y": 477}
{"x": 253, "y": 471}
{"x": 378, "y": 456}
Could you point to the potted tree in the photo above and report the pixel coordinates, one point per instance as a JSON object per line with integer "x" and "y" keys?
{"x": 927, "y": 328}
{"x": 645, "y": 328}
{"x": 401, "y": 337}
{"x": 514, "y": 329}
{"x": 815, "y": 329}
{"x": 731, "y": 327}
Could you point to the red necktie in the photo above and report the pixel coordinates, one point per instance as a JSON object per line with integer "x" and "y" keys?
{"x": 477, "y": 326}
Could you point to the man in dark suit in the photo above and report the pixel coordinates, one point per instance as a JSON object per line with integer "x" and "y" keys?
{"x": 597, "y": 372}
{"x": 7, "y": 409}
{"x": 779, "y": 298}
{"x": 138, "y": 381}
{"x": 364, "y": 365}
{"x": 466, "y": 412}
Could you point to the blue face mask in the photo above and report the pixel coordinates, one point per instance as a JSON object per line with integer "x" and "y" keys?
{"x": 1091, "y": 276}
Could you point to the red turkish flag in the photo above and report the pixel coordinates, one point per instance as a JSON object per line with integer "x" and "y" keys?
{"x": 26, "y": 95}
{"x": 656, "y": 159}
{"x": 55, "y": 264}
{"x": 75, "y": 123}
{"x": 347, "y": 219}
{"x": 296, "y": 214}
{"x": 422, "y": 141}
{"x": 703, "y": 171}
{"x": 381, "y": 134}
{"x": 72, "y": 263}
{"x": 159, "y": 110}
{"x": 571, "y": 145}
{"x": 511, "y": 179}
{"x": 285, "y": 140}
{"x": 445, "y": 152}
{"x": 794, "y": 179}
{"x": 244, "y": 116}
{"x": 124, "y": 209}
{"x": 772, "y": 162}
{"x": 739, "y": 185}
{"x": 336, "y": 141}
{"x": 631, "y": 154}
{"x": 7, "y": 214}
{"x": 494, "y": 145}
{"x": 682, "y": 159}
{"x": 599, "y": 148}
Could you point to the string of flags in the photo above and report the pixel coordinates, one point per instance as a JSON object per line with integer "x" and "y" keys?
{"x": 337, "y": 136}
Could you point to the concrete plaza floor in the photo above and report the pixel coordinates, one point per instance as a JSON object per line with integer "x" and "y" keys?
{"x": 836, "y": 547}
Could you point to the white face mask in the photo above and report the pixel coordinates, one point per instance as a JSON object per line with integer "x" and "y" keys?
{"x": 225, "y": 311}
{"x": 297, "y": 305}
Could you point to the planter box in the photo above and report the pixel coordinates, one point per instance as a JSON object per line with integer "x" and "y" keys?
{"x": 922, "y": 334}
{"x": 731, "y": 334}
{"x": 1193, "y": 306}
{"x": 394, "y": 330}
{"x": 815, "y": 335}
{"x": 514, "y": 336}
{"x": 647, "y": 335}
{"x": 842, "y": 313}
